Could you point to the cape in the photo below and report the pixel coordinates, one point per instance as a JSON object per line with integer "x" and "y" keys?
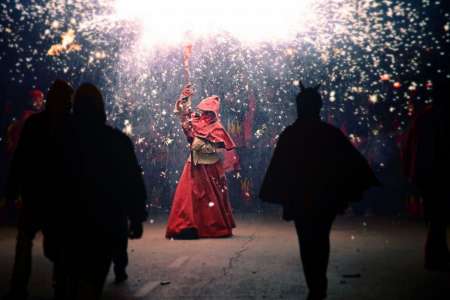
{"x": 314, "y": 163}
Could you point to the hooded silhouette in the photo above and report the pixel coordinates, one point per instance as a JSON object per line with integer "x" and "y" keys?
{"x": 314, "y": 173}
{"x": 109, "y": 193}
{"x": 36, "y": 176}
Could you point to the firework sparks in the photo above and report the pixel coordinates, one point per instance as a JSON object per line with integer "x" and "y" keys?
{"x": 67, "y": 44}
{"x": 363, "y": 52}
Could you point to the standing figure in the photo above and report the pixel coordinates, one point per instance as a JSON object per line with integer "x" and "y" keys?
{"x": 200, "y": 207}
{"x": 35, "y": 177}
{"x": 15, "y": 128}
{"x": 108, "y": 195}
{"x": 426, "y": 158}
{"x": 12, "y": 140}
{"x": 314, "y": 173}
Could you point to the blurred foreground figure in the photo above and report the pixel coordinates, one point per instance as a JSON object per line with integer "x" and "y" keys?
{"x": 109, "y": 195}
{"x": 314, "y": 173}
{"x": 35, "y": 177}
{"x": 427, "y": 162}
{"x": 200, "y": 207}
{"x": 13, "y": 132}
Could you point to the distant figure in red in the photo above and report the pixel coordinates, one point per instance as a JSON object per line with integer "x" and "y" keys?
{"x": 427, "y": 162}
{"x": 14, "y": 130}
{"x": 200, "y": 207}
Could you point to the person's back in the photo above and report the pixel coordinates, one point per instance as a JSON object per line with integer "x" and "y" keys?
{"x": 314, "y": 173}
{"x": 36, "y": 177}
{"x": 315, "y": 159}
{"x": 108, "y": 193}
{"x": 38, "y": 157}
{"x": 111, "y": 186}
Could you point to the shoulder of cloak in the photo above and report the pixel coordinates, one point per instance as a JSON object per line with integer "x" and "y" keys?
{"x": 220, "y": 135}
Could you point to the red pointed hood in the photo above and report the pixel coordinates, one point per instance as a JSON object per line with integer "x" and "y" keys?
{"x": 212, "y": 104}
{"x": 212, "y": 129}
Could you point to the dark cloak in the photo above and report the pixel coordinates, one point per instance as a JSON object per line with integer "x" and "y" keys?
{"x": 315, "y": 167}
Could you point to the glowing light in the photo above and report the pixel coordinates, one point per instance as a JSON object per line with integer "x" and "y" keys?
{"x": 67, "y": 44}
{"x": 412, "y": 87}
{"x": 385, "y": 77}
{"x": 290, "y": 51}
{"x": 332, "y": 96}
{"x": 210, "y": 204}
{"x": 128, "y": 128}
{"x": 173, "y": 21}
{"x": 373, "y": 98}
{"x": 168, "y": 141}
{"x": 55, "y": 24}
{"x": 397, "y": 85}
{"x": 100, "y": 55}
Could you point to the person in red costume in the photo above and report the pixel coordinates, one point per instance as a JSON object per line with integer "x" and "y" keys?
{"x": 200, "y": 207}
{"x": 15, "y": 128}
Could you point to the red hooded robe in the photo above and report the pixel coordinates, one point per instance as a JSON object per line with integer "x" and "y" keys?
{"x": 201, "y": 203}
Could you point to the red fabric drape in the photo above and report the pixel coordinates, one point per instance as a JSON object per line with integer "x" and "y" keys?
{"x": 201, "y": 198}
{"x": 201, "y": 202}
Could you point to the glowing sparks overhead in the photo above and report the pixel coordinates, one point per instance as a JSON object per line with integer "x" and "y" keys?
{"x": 368, "y": 55}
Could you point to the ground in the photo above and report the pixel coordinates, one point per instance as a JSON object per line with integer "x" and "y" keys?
{"x": 372, "y": 258}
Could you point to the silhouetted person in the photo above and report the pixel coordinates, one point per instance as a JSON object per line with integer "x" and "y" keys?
{"x": 109, "y": 194}
{"x": 35, "y": 177}
{"x": 15, "y": 128}
{"x": 12, "y": 139}
{"x": 314, "y": 173}
{"x": 427, "y": 161}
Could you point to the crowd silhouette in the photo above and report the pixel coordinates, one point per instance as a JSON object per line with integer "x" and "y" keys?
{"x": 79, "y": 183}
{"x": 77, "y": 180}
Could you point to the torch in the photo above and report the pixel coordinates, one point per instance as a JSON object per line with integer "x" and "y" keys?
{"x": 183, "y": 102}
{"x": 187, "y": 52}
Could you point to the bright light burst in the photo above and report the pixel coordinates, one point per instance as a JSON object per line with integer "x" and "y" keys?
{"x": 169, "y": 21}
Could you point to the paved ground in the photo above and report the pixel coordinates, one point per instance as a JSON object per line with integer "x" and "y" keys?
{"x": 262, "y": 262}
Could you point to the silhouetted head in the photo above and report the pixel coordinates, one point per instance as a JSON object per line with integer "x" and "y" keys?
{"x": 309, "y": 102}
{"x": 88, "y": 105}
{"x": 59, "y": 97}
